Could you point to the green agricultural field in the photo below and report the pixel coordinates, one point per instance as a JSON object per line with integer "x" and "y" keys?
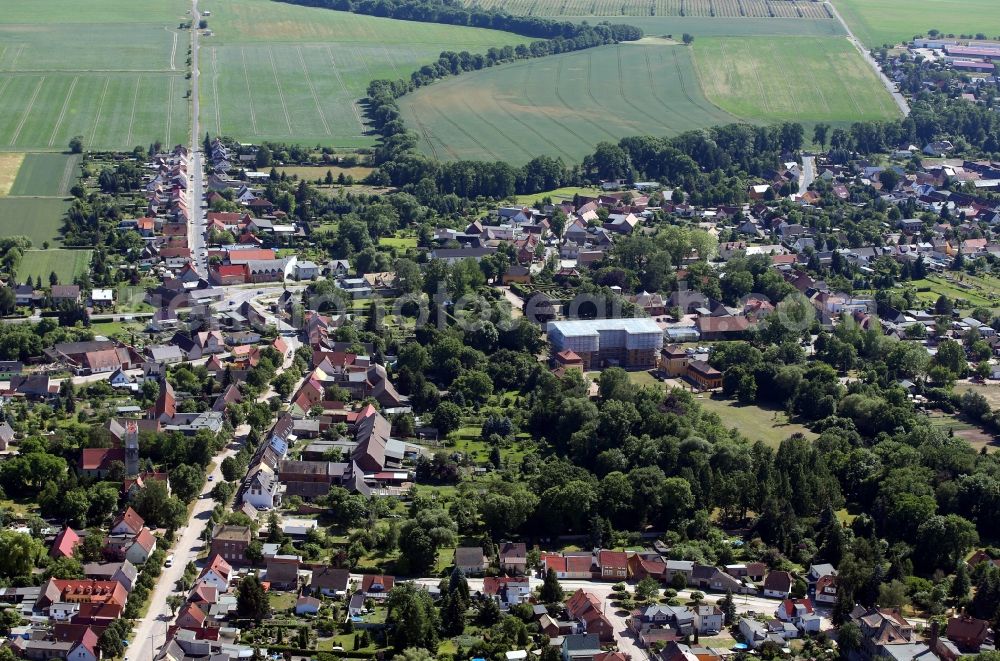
{"x": 67, "y": 264}
{"x": 878, "y": 22}
{"x": 792, "y": 9}
{"x": 117, "y": 80}
{"x": 755, "y": 78}
{"x": 561, "y": 105}
{"x": 38, "y": 218}
{"x": 46, "y": 174}
{"x": 297, "y": 74}
{"x": 702, "y": 26}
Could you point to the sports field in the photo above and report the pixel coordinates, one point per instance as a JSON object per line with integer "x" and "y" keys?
{"x": 757, "y": 79}
{"x": 297, "y": 74}
{"x": 562, "y": 105}
{"x": 67, "y": 264}
{"x": 113, "y": 74}
{"x": 878, "y": 22}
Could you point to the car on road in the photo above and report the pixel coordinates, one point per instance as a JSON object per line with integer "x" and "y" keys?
{"x": 169, "y": 561}
{"x": 211, "y": 478}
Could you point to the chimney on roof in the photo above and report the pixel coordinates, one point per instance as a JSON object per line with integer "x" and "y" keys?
{"x": 935, "y": 632}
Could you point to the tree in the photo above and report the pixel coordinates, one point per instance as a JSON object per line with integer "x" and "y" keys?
{"x": 960, "y": 584}
{"x": 76, "y": 144}
{"x": 174, "y": 602}
{"x": 263, "y": 157}
{"x": 688, "y": 39}
{"x": 64, "y": 568}
{"x": 110, "y": 643}
{"x": 446, "y": 418}
{"x": 646, "y": 588}
{"x": 728, "y": 607}
{"x": 251, "y": 602}
{"x": 254, "y": 552}
{"x": 820, "y": 133}
{"x": 551, "y": 592}
{"x": 186, "y": 482}
{"x": 20, "y": 553}
{"x": 942, "y": 541}
{"x": 412, "y": 618}
{"x": 418, "y": 550}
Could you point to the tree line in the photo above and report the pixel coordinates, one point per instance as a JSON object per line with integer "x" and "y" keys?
{"x": 437, "y": 11}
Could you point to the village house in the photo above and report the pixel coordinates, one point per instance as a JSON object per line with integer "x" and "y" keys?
{"x": 471, "y": 560}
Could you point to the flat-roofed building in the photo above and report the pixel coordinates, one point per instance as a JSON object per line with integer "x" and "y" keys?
{"x": 629, "y": 343}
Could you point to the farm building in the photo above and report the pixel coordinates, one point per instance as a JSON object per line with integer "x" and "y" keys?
{"x": 628, "y": 343}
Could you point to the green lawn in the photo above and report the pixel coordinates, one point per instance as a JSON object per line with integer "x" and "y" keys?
{"x": 827, "y": 80}
{"x": 561, "y": 105}
{"x": 558, "y": 194}
{"x": 754, "y": 422}
{"x": 878, "y": 22}
{"x": 970, "y": 292}
{"x": 281, "y": 601}
{"x": 292, "y": 73}
{"x": 400, "y": 242}
{"x": 67, "y": 264}
{"x": 118, "y": 81}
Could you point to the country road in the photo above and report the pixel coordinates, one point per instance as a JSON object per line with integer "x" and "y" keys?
{"x": 900, "y": 100}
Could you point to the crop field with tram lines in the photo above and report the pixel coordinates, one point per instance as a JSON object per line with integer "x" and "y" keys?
{"x": 113, "y": 74}
{"x": 275, "y": 71}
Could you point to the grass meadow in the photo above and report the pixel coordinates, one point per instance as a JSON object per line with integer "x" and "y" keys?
{"x": 67, "y": 264}
{"x": 113, "y": 74}
{"x": 878, "y": 22}
{"x": 561, "y": 105}
{"x": 754, "y": 78}
{"x": 298, "y": 74}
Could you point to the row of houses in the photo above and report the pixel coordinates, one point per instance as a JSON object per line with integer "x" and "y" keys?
{"x": 68, "y": 616}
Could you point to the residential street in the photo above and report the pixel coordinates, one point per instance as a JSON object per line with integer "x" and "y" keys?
{"x": 196, "y": 227}
{"x": 149, "y": 632}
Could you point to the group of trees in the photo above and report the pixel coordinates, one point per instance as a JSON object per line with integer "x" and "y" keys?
{"x": 441, "y": 11}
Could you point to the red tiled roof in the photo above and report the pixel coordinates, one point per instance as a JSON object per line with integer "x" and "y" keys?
{"x": 145, "y": 539}
{"x": 616, "y": 559}
{"x": 131, "y": 519}
{"x": 99, "y": 458}
{"x": 64, "y": 543}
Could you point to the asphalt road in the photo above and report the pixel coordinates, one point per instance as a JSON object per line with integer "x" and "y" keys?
{"x": 149, "y": 633}
{"x": 196, "y": 226}
{"x": 808, "y": 175}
